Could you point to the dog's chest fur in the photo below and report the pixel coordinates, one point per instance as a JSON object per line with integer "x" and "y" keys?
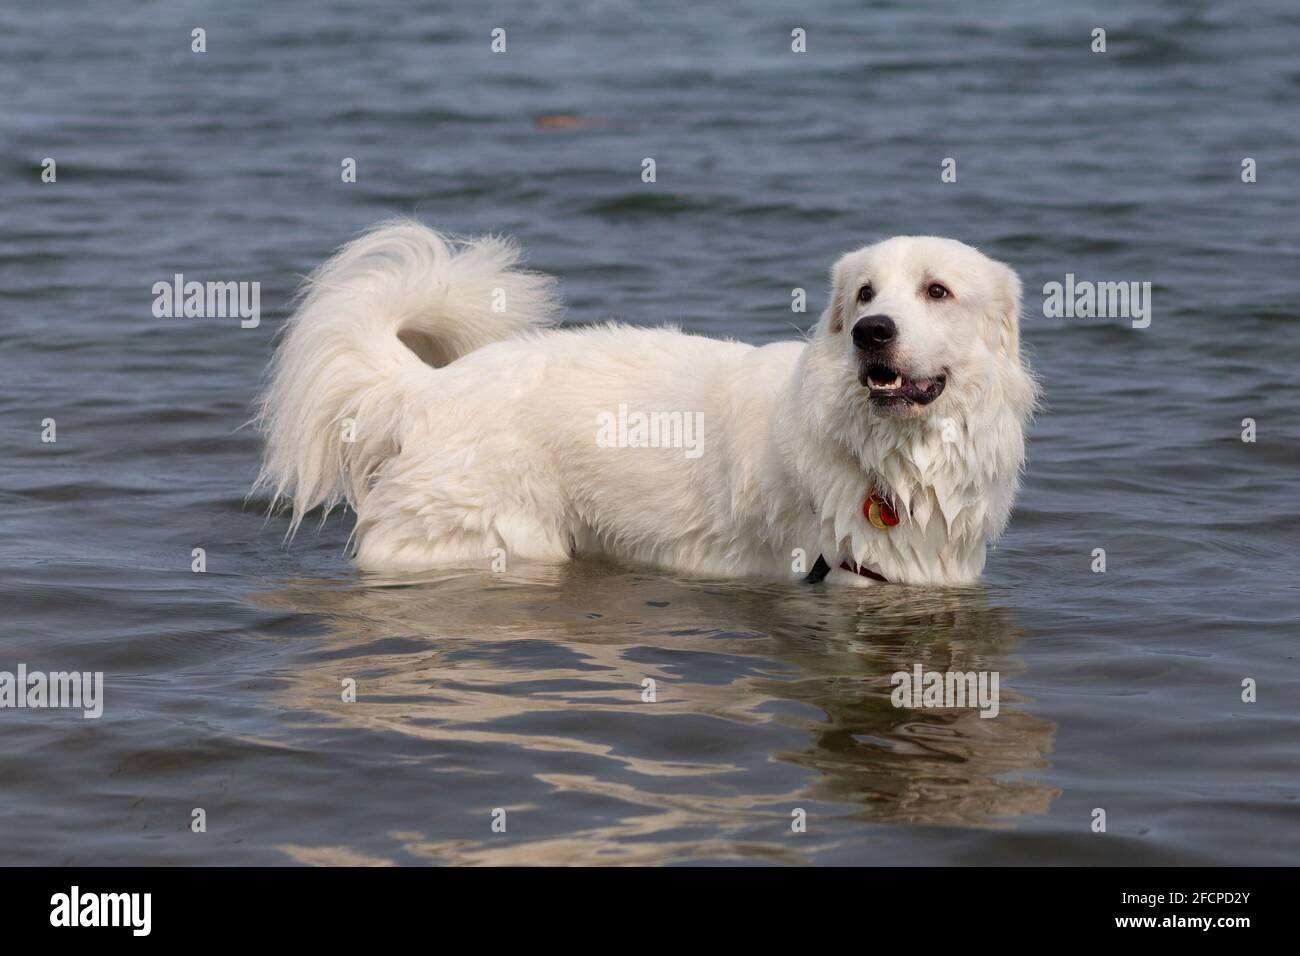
{"x": 951, "y": 480}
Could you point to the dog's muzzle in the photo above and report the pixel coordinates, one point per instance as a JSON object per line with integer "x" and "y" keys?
{"x": 874, "y": 337}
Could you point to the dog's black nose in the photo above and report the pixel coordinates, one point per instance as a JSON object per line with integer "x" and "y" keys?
{"x": 873, "y": 331}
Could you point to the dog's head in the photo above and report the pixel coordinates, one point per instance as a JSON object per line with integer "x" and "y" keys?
{"x": 918, "y": 318}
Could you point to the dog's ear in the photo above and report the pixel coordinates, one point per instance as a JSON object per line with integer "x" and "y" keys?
{"x": 834, "y": 316}
{"x": 1007, "y": 317}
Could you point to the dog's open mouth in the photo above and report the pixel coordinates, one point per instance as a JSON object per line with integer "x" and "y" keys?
{"x": 888, "y": 386}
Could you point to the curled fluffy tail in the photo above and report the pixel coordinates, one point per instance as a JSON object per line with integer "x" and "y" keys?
{"x": 369, "y": 324}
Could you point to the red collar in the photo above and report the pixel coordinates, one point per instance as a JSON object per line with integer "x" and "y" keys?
{"x": 880, "y": 513}
{"x": 821, "y": 569}
{"x": 863, "y": 570}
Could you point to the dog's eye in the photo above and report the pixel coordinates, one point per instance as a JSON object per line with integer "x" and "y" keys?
{"x": 866, "y": 293}
{"x": 937, "y": 291}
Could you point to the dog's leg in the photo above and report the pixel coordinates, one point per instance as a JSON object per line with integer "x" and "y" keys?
{"x": 443, "y": 513}
{"x": 508, "y": 538}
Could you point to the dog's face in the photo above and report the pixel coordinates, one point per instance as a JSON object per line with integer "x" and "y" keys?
{"x": 918, "y": 316}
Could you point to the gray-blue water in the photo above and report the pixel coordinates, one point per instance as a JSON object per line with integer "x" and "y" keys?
{"x": 1121, "y": 690}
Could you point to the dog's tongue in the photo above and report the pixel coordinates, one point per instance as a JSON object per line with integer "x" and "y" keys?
{"x": 922, "y": 383}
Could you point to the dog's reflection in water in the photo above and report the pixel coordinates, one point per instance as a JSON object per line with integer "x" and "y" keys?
{"x": 557, "y": 661}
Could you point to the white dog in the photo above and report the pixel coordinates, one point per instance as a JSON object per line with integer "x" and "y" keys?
{"x": 422, "y": 381}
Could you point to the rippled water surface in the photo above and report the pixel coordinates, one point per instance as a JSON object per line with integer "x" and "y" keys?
{"x": 522, "y": 691}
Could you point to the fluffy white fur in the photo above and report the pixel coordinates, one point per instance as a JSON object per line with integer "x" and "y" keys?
{"x": 487, "y": 438}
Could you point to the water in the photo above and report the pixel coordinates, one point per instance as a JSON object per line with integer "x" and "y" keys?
{"x": 1119, "y": 690}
